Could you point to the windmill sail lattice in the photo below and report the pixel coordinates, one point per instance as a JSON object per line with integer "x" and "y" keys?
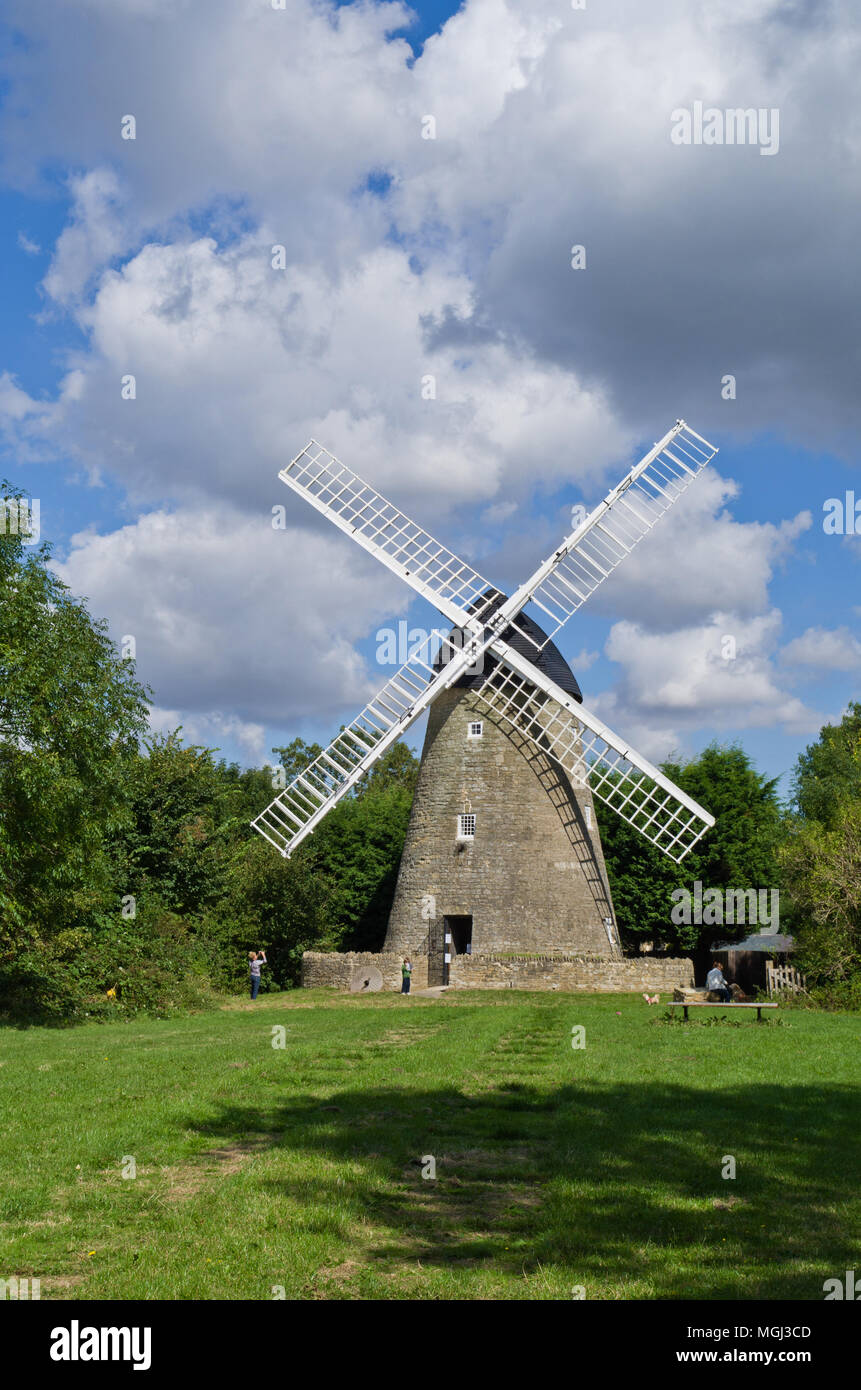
{"x": 515, "y": 690}
{"x": 303, "y": 804}
{"x": 585, "y": 748}
{"x": 375, "y": 524}
{"x": 625, "y": 516}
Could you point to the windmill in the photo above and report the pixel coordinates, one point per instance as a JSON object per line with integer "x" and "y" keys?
{"x": 515, "y": 677}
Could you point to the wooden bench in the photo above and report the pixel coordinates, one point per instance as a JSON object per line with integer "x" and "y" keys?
{"x": 706, "y": 1004}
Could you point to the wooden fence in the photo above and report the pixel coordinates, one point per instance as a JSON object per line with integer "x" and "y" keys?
{"x": 779, "y": 977}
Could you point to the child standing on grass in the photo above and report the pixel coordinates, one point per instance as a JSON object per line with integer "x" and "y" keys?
{"x": 406, "y": 972}
{"x": 257, "y": 959}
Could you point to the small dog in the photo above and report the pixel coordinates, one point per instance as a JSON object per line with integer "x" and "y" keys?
{"x": 653, "y": 999}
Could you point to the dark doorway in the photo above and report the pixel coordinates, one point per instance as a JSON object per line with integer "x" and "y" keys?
{"x": 460, "y": 931}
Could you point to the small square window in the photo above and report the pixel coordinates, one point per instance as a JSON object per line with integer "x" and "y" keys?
{"x": 475, "y": 729}
{"x": 466, "y": 827}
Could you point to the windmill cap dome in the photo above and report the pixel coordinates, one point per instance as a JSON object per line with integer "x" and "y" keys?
{"x": 549, "y": 660}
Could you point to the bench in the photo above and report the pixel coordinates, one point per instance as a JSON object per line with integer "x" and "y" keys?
{"x": 706, "y": 1004}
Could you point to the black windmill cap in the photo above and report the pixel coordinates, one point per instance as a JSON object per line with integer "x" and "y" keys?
{"x": 549, "y": 660}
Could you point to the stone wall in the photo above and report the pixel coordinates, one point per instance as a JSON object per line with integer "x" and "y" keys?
{"x": 585, "y": 974}
{"x": 335, "y": 969}
{"x": 582, "y": 973}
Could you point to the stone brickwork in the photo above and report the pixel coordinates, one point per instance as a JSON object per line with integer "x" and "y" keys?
{"x": 335, "y": 969}
{"x": 593, "y": 976}
{"x": 584, "y": 974}
{"x": 533, "y": 878}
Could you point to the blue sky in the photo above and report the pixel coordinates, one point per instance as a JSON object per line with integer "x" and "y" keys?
{"x": 450, "y": 256}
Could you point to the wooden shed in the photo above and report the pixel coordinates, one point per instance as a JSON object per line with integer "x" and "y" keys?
{"x": 743, "y": 962}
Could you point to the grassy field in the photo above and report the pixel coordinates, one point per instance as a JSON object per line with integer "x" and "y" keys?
{"x": 301, "y": 1167}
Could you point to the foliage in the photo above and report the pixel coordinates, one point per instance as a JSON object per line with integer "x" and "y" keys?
{"x": 178, "y": 799}
{"x": 822, "y": 872}
{"x": 829, "y": 771}
{"x": 739, "y": 852}
{"x": 821, "y": 863}
{"x": 71, "y": 714}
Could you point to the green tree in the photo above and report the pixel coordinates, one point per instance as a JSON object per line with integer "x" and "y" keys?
{"x": 739, "y": 852}
{"x": 295, "y": 756}
{"x": 829, "y": 770}
{"x": 183, "y": 807}
{"x": 71, "y": 714}
{"x": 355, "y": 852}
{"x": 271, "y": 903}
{"x": 822, "y": 872}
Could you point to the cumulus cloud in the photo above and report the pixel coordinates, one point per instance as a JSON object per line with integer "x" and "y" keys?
{"x": 674, "y": 682}
{"x": 91, "y": 238}
{"x": 551, "y": 126}
{"x": 699, "y": 560}
{"x": 237, "y": 364}
{"x": 235, "y": 620}
{"x": 206, "y": 730}
{"x": 436, "y": 338}
{"x": 825, "y": 649}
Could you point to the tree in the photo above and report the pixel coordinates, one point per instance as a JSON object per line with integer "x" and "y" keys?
{"x": 280, "y": 905}
{"x": 398, "y": 768}
{"x": 355, "y": 852}
{"x": 822, "y": 872}
{"x": 296, "y": 756}
{"x": 739, "y": 852}
{"x": 176, "y": 842}
{"x": 71, "y": 714}
{"x": 829, "y": 770}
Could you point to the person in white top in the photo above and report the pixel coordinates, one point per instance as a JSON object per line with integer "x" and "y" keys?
{"x": 715, "y": 983}
{"x": 256, "y": 959}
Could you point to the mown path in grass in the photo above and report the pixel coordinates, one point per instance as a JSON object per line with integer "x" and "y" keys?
{"x": 300, "y": 1168}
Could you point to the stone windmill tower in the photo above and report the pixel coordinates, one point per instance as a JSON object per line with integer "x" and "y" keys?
{"x": 502, "y": 852}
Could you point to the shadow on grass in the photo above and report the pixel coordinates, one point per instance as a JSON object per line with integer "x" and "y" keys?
{"x": 610, "y": 1183}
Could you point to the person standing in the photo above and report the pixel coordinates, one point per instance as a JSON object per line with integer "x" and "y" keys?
{"x": 406, "y": 972}
{"x": 256, "y": 959}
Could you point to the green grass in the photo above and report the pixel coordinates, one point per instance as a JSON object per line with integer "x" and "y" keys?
{"x": 599, "y": 1167}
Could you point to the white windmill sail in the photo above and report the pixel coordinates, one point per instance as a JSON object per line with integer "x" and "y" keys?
{"x": 559, "y": 586}
{"x": 590, "y": 753}
{"x": 295, "y": 812}
{"x": 516, "y": 689}
{"x": 378, "y": 526}
{"x": 611, "y": 531}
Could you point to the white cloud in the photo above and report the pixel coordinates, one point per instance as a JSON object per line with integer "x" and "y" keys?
{"x": 673, "y": 683}
{"x": 234, "y": 621}
{"x": 93, "y": 236}
{"x": 206, "y": 730}
{"x": 236, "y": 365}
{"x": 583, "y": 660}
{"x": 698, "y": 561}
{"x": 552, "y": 127}
{"x": 834, "y": 649}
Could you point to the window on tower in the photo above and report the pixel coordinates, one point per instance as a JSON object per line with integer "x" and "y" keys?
{"x": 466, "y": 827}
{"x": 475, "y": 729}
